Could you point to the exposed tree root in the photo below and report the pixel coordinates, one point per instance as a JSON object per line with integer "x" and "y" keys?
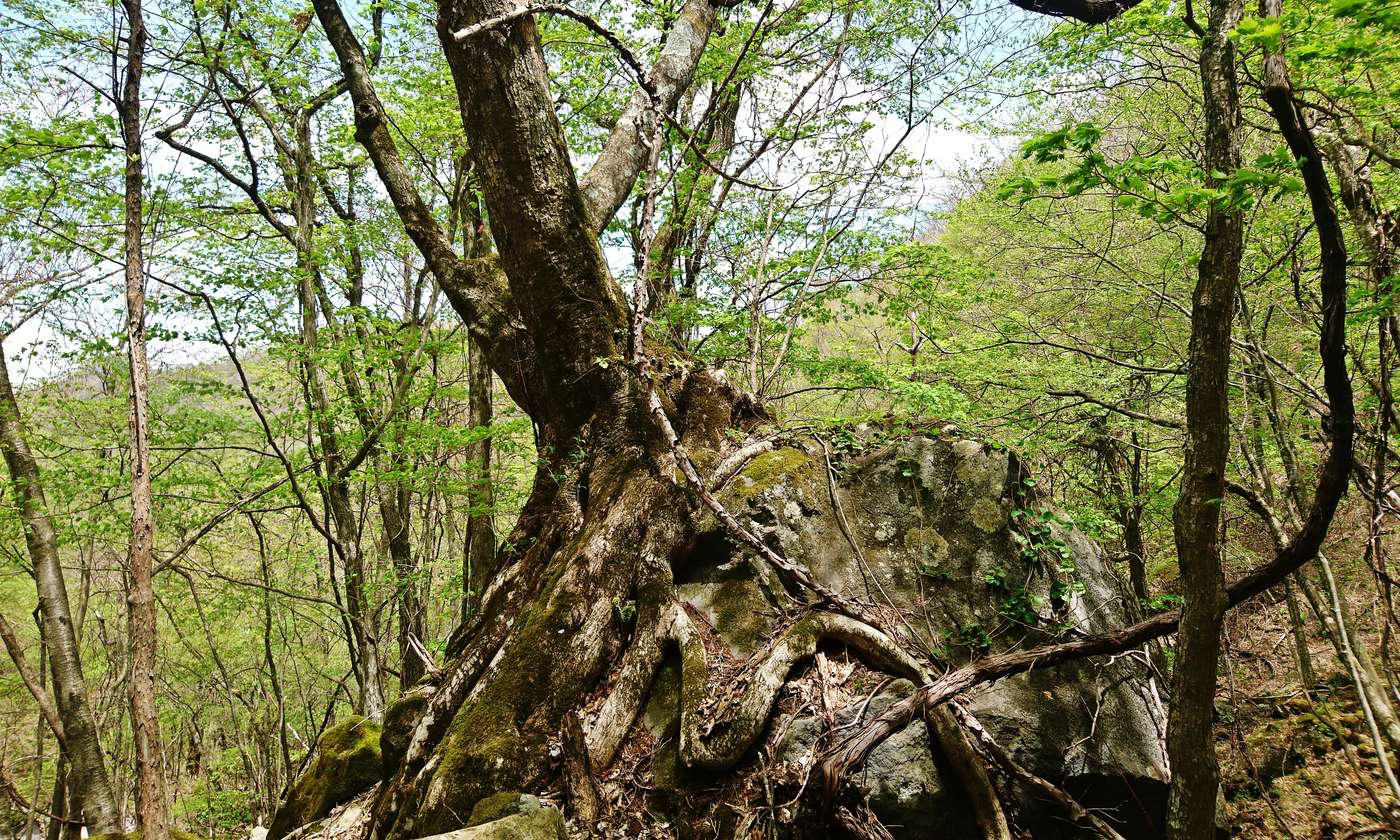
{"x": 1076, "y": 811}
{"x": 630, "y": 688}
{"x": 950, "y": 735}
{"x": 717, "y": 729}
{"x": 716, "y": 738}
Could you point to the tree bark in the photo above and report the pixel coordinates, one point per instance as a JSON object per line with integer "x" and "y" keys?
{"x": 152, "y": 814}
{"x": 1195, "y": 782}
{"x": 571, "y": 307}
{"x": 90, "y": 787}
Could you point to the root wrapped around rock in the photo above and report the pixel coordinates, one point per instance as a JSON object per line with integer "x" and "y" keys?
{"x": 675, "y": 659}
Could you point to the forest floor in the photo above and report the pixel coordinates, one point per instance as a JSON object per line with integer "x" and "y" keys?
{"x": 1312, "y": 753}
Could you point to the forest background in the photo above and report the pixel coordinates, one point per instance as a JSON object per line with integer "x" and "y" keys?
{"x": 876, "y": 218}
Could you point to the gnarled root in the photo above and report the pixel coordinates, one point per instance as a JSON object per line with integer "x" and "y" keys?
{"x": 717, "y": 729}
{"x": 715, "y": 739}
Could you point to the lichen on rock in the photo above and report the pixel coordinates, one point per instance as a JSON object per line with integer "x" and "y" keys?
{"x": 940, "y": 529}
{"x": 510, "y": 816}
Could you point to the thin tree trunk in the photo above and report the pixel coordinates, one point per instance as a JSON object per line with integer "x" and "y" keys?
{"x": 480, "y": 553}
{"x": 395, "y": 510}
{"x": 1300, "y": 638}
{"x": 335, "y": 489}
{"x": 152, "y": 816}
{"x": 58, "y": 802}
{"x": 90, "y": 786}
{"x": 39, "y": 727}
{"x": 1190, "y": 727}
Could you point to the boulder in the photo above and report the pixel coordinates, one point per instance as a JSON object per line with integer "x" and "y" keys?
{"x": 345, "y": 762}
{"x": 952, "y": 534}
{"x": 510, "y": 816}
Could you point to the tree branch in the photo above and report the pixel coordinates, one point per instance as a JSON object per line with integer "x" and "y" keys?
{"x": 1084, "y": 11}
{"x": 31, "y": 681}
{"x": 609, "y": 181}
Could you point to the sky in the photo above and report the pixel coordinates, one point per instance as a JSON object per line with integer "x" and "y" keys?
{"x": 946, "y": 142}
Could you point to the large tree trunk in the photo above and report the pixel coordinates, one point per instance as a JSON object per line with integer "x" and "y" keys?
{"x": 605, "y": 517}
{"x": 90, "y": 787}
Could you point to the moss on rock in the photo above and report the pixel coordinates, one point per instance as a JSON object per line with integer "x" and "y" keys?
{"x": 533, "y": 821}
{"x": 788, "y": 465}
{"x": 346, "y": 762}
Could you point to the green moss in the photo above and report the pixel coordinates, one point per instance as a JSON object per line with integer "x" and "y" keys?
{"x": 987, "y": 514}
{"x": 490, "y": 744}
{"x": 666, "y": 771}
{"x": 399, "y": 721}
{"x": 537, "y": 823}
{"x": 786, "y": 465}
{"x": 347, "y": 761}
{"x": 349, "y": 738}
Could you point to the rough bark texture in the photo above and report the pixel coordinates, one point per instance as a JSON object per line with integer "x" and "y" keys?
{"x": 1196, "y": 518}
{"x": 570, "y": 306}
{"x": 152, "y": 810}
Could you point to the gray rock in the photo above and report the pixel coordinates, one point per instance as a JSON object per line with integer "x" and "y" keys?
{"x": 952, "y": 535}
{"x": 537, "y": 822}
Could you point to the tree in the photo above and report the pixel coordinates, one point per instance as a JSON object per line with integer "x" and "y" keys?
{"x": 321, "y": 478}
{"x": 1195, "y": 773}
{"x": 152, "y": 808}
{"x": 89, "y": 785}
{"x": 555, "y": 326}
